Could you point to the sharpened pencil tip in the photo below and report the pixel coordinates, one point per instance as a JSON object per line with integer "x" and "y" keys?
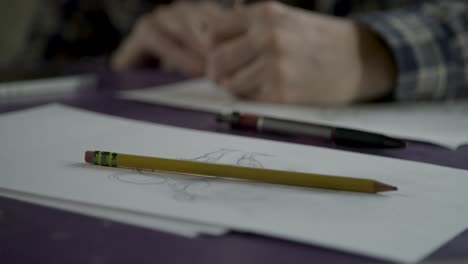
{"x": 382, "y": 187}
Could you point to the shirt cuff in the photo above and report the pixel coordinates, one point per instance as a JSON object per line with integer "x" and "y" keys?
{"x": 421, "y": 57}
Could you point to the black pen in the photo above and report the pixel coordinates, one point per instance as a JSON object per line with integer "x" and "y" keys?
{"x": 339, "y": 136}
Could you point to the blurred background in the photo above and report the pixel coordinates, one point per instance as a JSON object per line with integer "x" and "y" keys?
{"x": 38, "y": 31}
{"x": 16, "y": 17}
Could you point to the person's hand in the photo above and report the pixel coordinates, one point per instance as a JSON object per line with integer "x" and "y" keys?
{"x": 177, "y": 35}
{"x": 275, "y": 53}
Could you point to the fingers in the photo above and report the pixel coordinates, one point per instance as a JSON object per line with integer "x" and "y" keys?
{"x": 173, "y": 22}
{"x": 264, "y": 80}
{"x": 276, "y": 85}
{"x": 238, "y": 21}
{"x": 231, "y": 25}
{"x": 232, "y": 47}
{"x": 202, "y": 26}
{"x": 176, "y": 34}
{"x": 147, "y": 40}
{"x": 173, "y": 55}
{"x": 231, "y": 57}
{"x": 190, "y": 23}
{"x": 135, "y": 47}
{"x": 246, "y": 82}
{"x": 243, "y": 35}
{"x": 126, "y": 56}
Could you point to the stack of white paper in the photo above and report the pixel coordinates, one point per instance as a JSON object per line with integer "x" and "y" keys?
{"x": 42, "y": 154}
{"x": 171, "y": 225}
{"x": 440, "y": 123}
{"x": 47, "y": 88}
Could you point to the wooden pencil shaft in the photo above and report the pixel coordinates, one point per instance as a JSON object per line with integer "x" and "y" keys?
{"x": 236, "y": 172}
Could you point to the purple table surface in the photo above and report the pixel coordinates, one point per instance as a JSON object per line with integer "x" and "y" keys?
{"x": 31, "y": 233}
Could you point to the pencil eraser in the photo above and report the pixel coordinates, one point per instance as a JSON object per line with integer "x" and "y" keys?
{"x": 88, "y": 157}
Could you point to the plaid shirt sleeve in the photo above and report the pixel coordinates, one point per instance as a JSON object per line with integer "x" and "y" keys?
{"x": 429, "y": 43}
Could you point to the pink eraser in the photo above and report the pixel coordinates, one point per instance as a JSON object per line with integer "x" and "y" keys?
{"x": 88, "y": 157}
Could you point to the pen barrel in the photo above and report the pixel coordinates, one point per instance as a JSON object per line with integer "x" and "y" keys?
{"x": 339, "y": 136}
{"x": 359, "y": 139}
{"x": 292, "y": 128}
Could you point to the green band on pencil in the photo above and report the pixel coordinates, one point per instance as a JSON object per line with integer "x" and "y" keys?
{"x": 104, "y": 158}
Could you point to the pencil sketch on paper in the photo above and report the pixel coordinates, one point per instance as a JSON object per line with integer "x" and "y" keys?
{"x": 214, "y": 156}
{"x": 185, "y": 187}
{"x": 136, "y": 178}
{"x": 249, "y": 160}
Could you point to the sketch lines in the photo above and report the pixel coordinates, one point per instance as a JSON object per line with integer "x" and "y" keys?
{"x": 237, "y": 157}
{"x": 188, "y": 188}
{"x": 249, "y": 160}
{"x": 138, "y": 177}
{"x": 214, "y": 156}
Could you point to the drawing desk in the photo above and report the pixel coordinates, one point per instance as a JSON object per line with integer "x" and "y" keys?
{"x": 31, "y": 233}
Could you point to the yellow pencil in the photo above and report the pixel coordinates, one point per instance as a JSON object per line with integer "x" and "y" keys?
{"x": 237, "y": 172}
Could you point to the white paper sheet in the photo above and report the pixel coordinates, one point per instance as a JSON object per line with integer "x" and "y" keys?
{"x": 175, "y": 226}
{"x": 56, "y": 87}
{"x": 445, "y": 124}
{"x": 42, "y": 153}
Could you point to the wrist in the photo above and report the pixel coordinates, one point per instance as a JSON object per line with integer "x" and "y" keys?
{"x": 379, "y": 71}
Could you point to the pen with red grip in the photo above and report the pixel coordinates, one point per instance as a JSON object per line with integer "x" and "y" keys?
{"x": 339, "y": 136}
